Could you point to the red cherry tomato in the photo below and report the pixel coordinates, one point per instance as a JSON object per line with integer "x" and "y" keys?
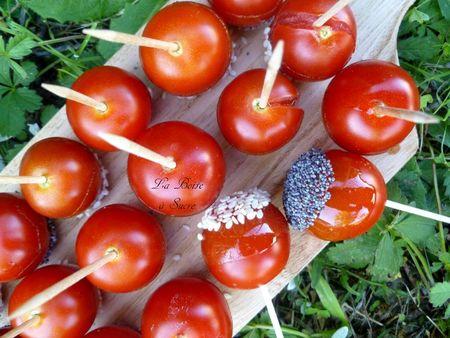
{"x": 254, "y": 130}
{"x": 245, "y": 13}
{"x": 68, "y": 315}
{"x": 248, "y": 255}
{"x": 197, "y": 179}
{"x": 357, "y": 201}
{"x": 73, "y": 177}
{"x": 128, "y": 101}
{"x": 204, "y": 54}
{"x": 349, "y": 101}
{"x": 138, "y": 239}
{"x": 113, "y": 332}
{"x": 24, "y": 238}
{"x": 313, "y": 54}
{"x": 187, "y": 307}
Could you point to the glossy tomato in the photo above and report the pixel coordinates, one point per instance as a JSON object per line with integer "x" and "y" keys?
{"x": 24, "y": 238}
{"x": 245, "y": 12}
{"x": 254, "y": 130}
{"x": 350, "y": 119}
{"x": 204, "y": 54}
{"x": 135, "y": 235}
{"x": 73, "y": 177}
{"x": 128, "y": 101}
{"x": 113, "y": 332}
{"x": 187, "y": 307}
{"x": 68, "y": 315}
{"x": 357, "y": 201}
{"x": 313, "y": 54}
{"x": 197, "y": 179}
{"x": 248, "y": 255}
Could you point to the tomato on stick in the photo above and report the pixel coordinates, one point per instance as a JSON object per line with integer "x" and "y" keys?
{"x": 136, "y": 251}
{"x": 183, "y": 57}
{"x": 256, "y": 111}
{"x": 246, "y": 243}
{"x": 79, "y": 302}
{"x": 381, "y": 111}
{"x": 338, "y": 195}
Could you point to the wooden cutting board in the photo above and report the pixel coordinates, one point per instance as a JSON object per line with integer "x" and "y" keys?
{"x": 378, "y": 22}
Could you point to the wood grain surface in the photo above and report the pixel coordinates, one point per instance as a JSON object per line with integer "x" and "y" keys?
{"x": 378, "y": 22}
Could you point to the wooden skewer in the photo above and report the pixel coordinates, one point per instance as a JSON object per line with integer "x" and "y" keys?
{"x": 129, "y": 39}
{"x": 405, "y": 114}
{"x": 336, "y": 8}
{"x": 417, "y": 211}
{"x": 73, "y": 95}
{"x": 23, "y": 179}
{"x": 271, "y": 310}
{"x": 51, "y": 292}
{"x": 134, "y": 148}
{"x": 273, "y": 67}
{"x": 34, "y": 320}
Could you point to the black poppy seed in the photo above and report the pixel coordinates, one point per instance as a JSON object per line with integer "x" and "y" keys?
{"x": 53, "y": 239}
{"x": 306, "y": 188}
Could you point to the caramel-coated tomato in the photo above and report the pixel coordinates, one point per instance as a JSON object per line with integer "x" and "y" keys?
{"x": 24, "y": 238}
{"x": 73, "y": 177}
{"x": 245, "y": 13}
{"x": 187, "y": 307}
{"x": 313, "y": 54}
{"x": 353, "y": 94}
{"x": 137, "y": 238}
{"x": 251, "y": 129}
{"x": 68, "y": 315}
{"x": 251, "y": 254}
{"x": 204, "y": 52}
{"x": 358, "y": 196}
{"x": 128, "y": 102}
{"x": 197, "y": 179}
{"x": 113, "y": 332}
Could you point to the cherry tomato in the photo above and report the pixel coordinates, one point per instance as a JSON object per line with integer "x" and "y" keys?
{"x": 357, "y": 201}
{"x": 4, "y": 330}
{"x": 113, "y": 332}
{"x": 73, "y": 177}
{"x": 24, "y": 238}
{"x": 245, "y": 13}
{"x": 68, "y": 315}
{"x": 135, "y": 235}
{"x": 197, "y": 179}
{"x": 251, "y": 254}
{"x": 254, "y": 130}
{"x": 313, "y": 54}
{"x": 350, "y": 119}
{"x": 187, "y": 307}
{"x": 204, "y": 54}
{"x": 128, "y": 101}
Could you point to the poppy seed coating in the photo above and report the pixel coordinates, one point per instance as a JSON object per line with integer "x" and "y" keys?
{"x": 306, "y": 188}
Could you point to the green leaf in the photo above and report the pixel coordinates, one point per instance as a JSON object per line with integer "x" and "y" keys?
{"x": 440, "y": 293}
{"x": 447, "y": 312}
{"x": 26, "y": 99}
{"x": 75, "y": 10}
{"x": 5, "y": 77}
{"x": 31, "y": 73}
{"x": 329, "y": 300}
{"x": 418, "y": 16}
{"x": 355, "y": 253}
{"x": 445, "y": 8}
{"x": 19, "y": 46}
{"x": 134, "y": 16}
{"x": 12, "y": 120}
{"x": 47, "y": 113}
{"x": 425, "y": 100}
{"x": 12, "y": 152}
{"x": 416, "y": 228}
{"x": 420, "y": 48}
{"x": 411, "y": 185}
{"x": 18, "y": 69}
{"x": 388, "y": 260}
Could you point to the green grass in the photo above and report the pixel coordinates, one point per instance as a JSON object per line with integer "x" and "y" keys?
{"x": 392, "y": 282}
